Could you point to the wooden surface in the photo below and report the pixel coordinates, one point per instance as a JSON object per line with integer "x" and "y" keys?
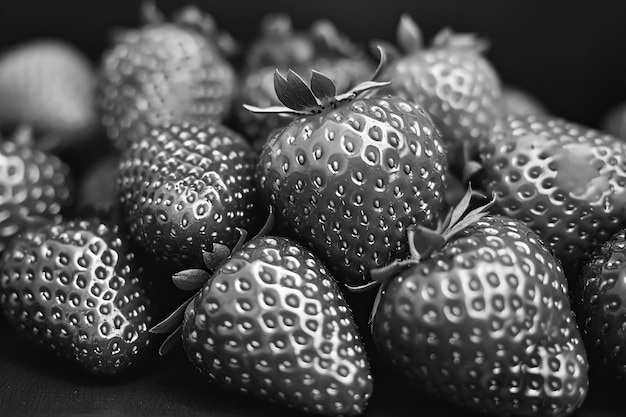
{"x": 34, "y": 383}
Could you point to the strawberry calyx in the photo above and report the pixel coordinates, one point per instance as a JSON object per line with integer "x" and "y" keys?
{"x": 194, "y": 279}
{"x": 424, "y": 242}
{"x": 321, "y": 94}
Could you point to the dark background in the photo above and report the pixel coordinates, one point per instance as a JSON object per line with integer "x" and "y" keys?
{"x": 570, "y": 54}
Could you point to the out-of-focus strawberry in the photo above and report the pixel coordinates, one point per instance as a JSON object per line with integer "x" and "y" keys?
{"x": 521, "y": 102}
{"x": 614, "y": 122}
{"x": 164, "y": 71}
{"x": 49, "y": 84}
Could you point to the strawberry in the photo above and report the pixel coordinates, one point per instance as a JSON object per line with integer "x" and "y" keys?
{"x": 35, "y": 186}
{"x": 272, "y": 322}
{"x": 74, "y": 288}
{"x": 349, "y": 175}
{"x": 599, "y": 301}
{"x": 49, "y": 85}
{"x": 564, "y": 180}
{"x": 186, "y": 187}
{"x": 162, "y": 72}
{"x": 331, "y": 53}
{"x": 452, "y": 81}
{"x": 480, "y": 316}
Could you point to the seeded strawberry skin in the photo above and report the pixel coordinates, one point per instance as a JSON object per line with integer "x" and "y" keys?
{"x": 486, "y": 324}
{"x": 75, "y": 289}
{"x": 272, "y": 322}
{"x": 600, "y": 300}
{"x": 349, "y": 181}
{"x": 566, "y": 181}
{"x": 185, "y": 187}
{"x": 34, "y": 185}
{"x": 162, "y": 73}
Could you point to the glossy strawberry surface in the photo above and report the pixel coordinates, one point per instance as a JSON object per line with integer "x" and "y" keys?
{"x": 162, "y": 73}
{"x": 566, "y": 181}
{"x": 600, "y": 301}
{"x": 347, "y": 182}
{"x": 34, "y": 185}
{"x": 272, "y": 322}
{"x": 454, "y": 82}
{"x": 75, "y": 288}
{"x": 185, "y": 187}
{"x": 486, "y": 324}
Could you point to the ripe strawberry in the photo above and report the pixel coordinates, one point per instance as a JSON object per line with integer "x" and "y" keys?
{"x": 349, "y": 175}
{"x": 600, "y": 299}
{"x": 49, "y": 85}
{"x": 162, "y": 72}
{"x": 186, "y": 187}
{"x": 566, "y": 181}
{"x": 331, "y": 53}
{"x": 480, "y": 316}
{"x": 272, "y": 322}
{"x": 452, "y": 81}
{"x": 75, "y": 289}
{"x": 34, "y": 185}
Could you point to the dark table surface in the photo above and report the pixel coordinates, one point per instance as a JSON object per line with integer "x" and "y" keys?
{"x": 35, "y": 383}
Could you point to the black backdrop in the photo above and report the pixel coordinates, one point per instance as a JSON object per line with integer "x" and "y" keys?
{"x": 570, "y": 54}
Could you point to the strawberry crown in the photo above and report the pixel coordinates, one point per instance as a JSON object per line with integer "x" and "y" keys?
{"x": 423, "y": 242}
{"x": 410, "y": 38}
{"x": 301, "y": 99}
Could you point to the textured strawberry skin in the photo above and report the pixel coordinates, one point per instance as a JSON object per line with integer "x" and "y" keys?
{"x": 272, "y": 322}
{"x": 349, "y": 181}
{"x": 486, "y": 324}
{"x": 162, "y": 73}
{"x": 75, "y": 289}
{"x": 33, "y": 185}
{"x": 567, "y": 182}
{"x": 600, "y": 300}
{"x": 459, "y": 89}
{"x": 185, "y": 187}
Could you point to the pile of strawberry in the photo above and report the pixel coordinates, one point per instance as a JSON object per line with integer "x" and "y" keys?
{"x": 294, "y": 212}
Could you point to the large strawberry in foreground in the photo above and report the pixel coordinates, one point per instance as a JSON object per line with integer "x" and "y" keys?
{"x": 185, "y": 188}
{"x": 162, "y": 72}
{"x": 350, "y": 175}
{"x": 452, "y": 80}
{"x": 75, "y": 289}
{"x": 272, "y": 322}
{"x": 566, "y": 181}
{"x": 480, "y": 316}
